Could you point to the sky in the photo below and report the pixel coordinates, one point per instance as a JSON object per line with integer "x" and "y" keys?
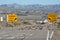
{"x": 27, "y": 2}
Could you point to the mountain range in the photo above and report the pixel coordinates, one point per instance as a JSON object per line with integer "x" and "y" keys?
{"x": 16, "y": 8}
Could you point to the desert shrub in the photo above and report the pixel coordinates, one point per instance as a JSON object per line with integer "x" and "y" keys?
{"x": 58, "y": 25}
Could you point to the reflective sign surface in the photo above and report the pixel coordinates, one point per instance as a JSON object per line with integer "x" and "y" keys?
{"x": 52, "y": 17}
{"x": 12, "y": 18}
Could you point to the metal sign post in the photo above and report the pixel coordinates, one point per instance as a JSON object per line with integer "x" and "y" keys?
{"x": 49, "y": 36}
{"x": 52, "y": 18}
{"x": 52, "y": 31}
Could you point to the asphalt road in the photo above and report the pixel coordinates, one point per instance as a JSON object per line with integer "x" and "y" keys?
{"x": 23, "y": 35}
{"x": 10, "y": 34}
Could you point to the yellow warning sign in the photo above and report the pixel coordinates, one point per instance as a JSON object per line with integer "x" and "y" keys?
{"x": 12, "y": 18}
{"x": 52, "y": 17}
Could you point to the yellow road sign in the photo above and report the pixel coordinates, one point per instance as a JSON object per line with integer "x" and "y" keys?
{"x": 12, "y": 18}
{"x": 52, "y": 17}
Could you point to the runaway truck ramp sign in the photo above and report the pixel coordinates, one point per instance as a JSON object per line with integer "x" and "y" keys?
{"x": 12, "y": 18}
{"x": 52, "y": 18}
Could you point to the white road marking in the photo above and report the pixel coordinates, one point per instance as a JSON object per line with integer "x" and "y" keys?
{"x": 51, "y": 34}
{"x": 0, "y": 37}
{"x": 5, "y": 35}
{"x": 29, "y": 36}
{"x": 10, "y": 37}
{"x": 47, "y": 35}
